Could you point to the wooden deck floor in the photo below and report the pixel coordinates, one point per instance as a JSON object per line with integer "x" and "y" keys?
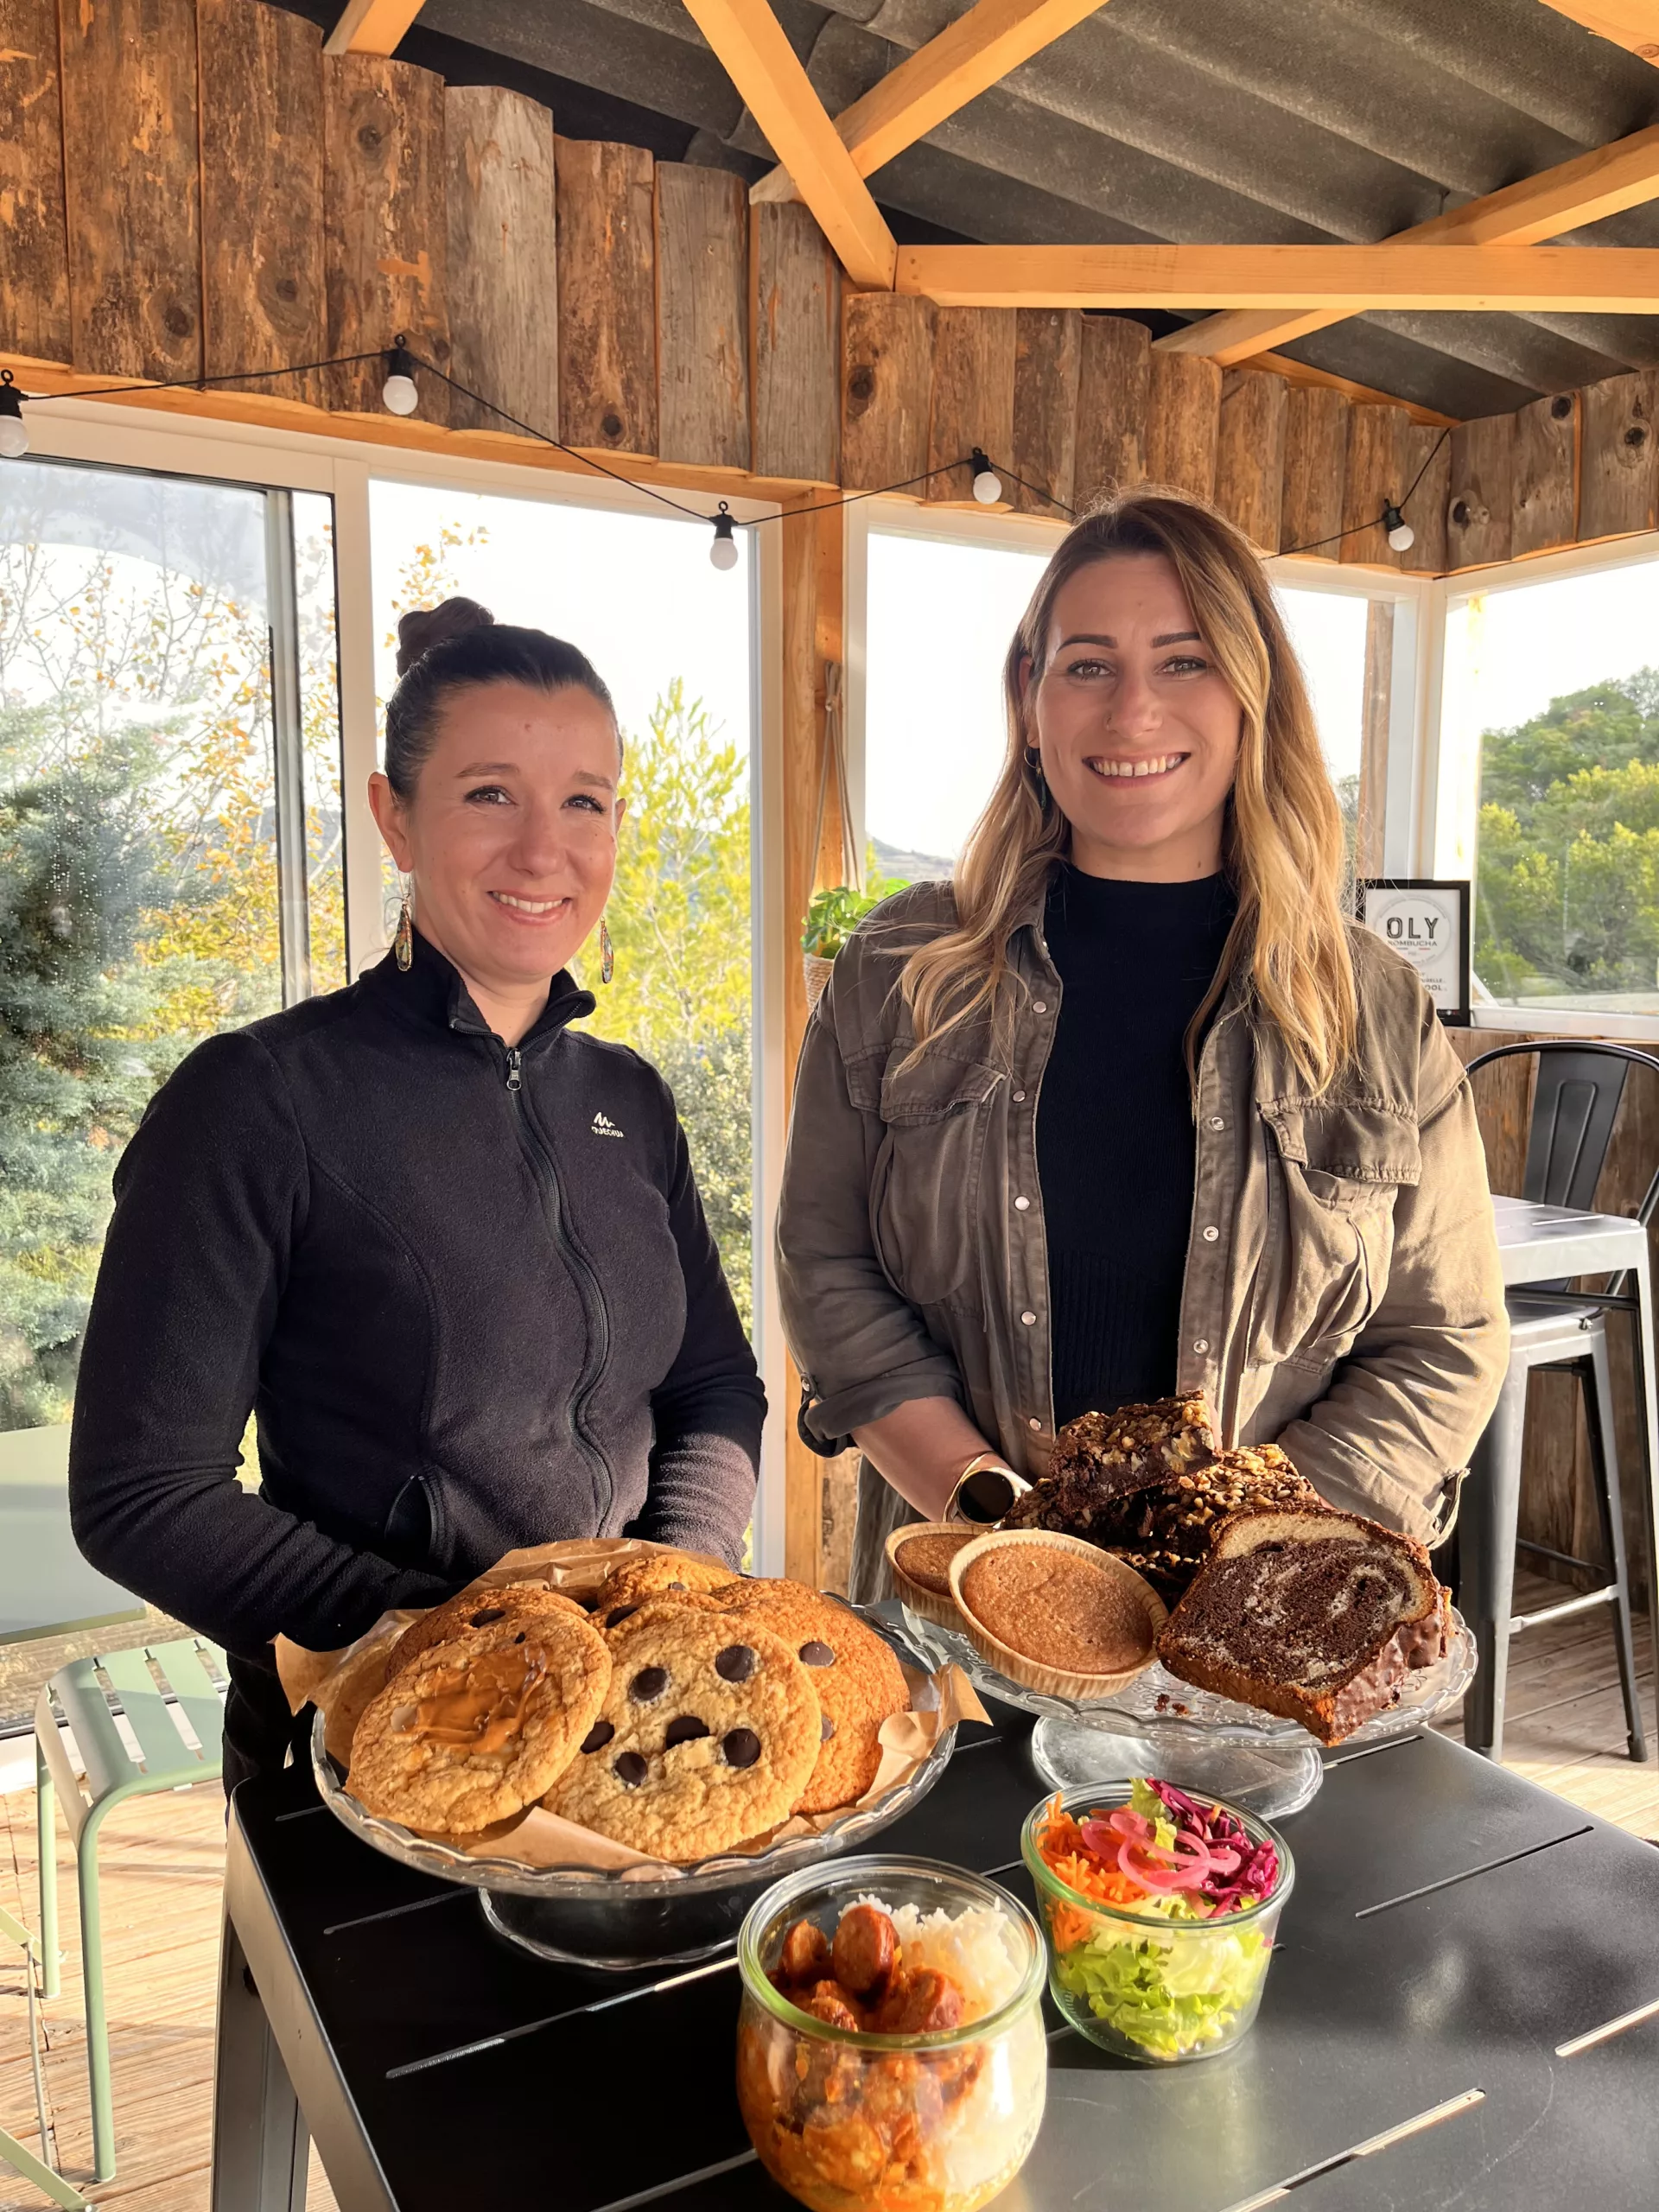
{"x": 163, "y": 1858}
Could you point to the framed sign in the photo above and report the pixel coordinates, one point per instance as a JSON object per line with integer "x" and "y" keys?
{"x": 1429, "y": 923}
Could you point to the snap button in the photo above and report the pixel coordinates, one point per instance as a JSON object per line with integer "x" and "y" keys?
{"x": 1211, "y": 1234}
{"x": 1200, "y": 1344}
{"x": 1023, "y": 1204}
{"x": 1216, "y": 1121}
{"x": 1035, "y": 1422}
{"x": 1040, "y": 1006}
{"x": 1019, "y": 1098}
{"x": 1028, "y": 1319}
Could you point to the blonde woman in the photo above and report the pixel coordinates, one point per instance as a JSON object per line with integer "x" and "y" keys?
{"x": 1129, "y": 1107}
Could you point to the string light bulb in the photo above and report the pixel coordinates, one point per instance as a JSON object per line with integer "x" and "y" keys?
{"x": 987, "y": 485}
{"x": 723, "y": 552}
{"x": 399, "y": 391}
{"x": 1401, "y": 535}
{"x": 14, "y": 431}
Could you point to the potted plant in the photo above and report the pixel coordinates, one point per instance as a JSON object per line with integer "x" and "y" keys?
{"x": 830, "y": 920}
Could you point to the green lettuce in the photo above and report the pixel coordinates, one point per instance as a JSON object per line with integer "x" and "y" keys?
{"x": 1167, "y": 1998}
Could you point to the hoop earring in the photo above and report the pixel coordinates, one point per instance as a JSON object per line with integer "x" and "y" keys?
{"x": 403, "y": 945}
{"x": 607, "y": 953}
{"x": 1034, "y": 770}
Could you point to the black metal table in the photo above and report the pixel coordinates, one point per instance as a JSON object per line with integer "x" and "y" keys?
{"x": 1447, "y": 2023}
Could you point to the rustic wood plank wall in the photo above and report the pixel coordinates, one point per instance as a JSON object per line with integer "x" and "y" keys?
{"x": 1557, "y": 1503}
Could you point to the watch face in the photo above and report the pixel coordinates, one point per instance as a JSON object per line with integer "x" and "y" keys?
{"x": 985, "y": 1496}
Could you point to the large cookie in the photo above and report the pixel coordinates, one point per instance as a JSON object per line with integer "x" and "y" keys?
{"x": 479, "y": 1728}
{"x": 858, "y": 1680}
{"x": 649, "y": 1572}
{"x": 474, "y": 1608}
{"x": 707, "y": 1736}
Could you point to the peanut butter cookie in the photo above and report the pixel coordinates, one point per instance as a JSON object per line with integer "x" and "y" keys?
{"x": 858, "y": 1680}
{"x": 477, "y": 1728}
{"x": 474, "y": 1608}
{"x": 706, "y": 1736}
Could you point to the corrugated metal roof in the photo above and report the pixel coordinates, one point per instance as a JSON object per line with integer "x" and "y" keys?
{"x": 1219, "y": 121}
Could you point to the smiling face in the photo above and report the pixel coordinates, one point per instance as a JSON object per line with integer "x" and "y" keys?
{"x": 1137, "y": 728}
{"x": 509, "y": 837}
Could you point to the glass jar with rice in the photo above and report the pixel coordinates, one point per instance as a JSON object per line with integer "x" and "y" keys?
{"x": 890, "y": 2055}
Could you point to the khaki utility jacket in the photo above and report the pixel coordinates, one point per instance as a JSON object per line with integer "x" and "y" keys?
{"x": 1342, "y": 1295}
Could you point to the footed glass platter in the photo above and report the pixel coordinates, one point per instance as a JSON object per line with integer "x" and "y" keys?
{"x": 1160, "y": 1725}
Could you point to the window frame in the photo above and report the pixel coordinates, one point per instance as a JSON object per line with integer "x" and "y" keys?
{"x": 1448, "y": 774}
{"x": 108, "y": 435}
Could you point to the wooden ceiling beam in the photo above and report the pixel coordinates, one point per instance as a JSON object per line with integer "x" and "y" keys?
{"x": 770, "y": 79}
{"x": 1633, "y": 24}
{"x": 371, "y": 27}
{"x": 1602, "y": 182}
{"x": 1343, "y": 279}
{"x": 966, "y": 59}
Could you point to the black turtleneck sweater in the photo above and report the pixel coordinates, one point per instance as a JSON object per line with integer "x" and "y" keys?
{"x": 1115, "y": 1135}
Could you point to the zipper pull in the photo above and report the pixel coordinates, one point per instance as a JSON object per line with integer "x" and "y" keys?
{"x": 515, "y": 1063}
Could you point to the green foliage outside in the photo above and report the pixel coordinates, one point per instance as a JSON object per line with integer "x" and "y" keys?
{"x": 1567, "y": 885}
{"x": 835, "y": 914}
{"x": 139, "y": 906}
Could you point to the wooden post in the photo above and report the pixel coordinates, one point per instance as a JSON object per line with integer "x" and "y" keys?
{"x": 1048, "y": 356}
{"x": 795, "y": 345}
{"x": 132, "y": 173}
{"x": 703, "y": 315}
{"x": 1316, "y": 462}
{"x": 261, "y": 194}
{"x": 812, "y": 620}
{"x": 972, "y": 400}
{"x": 503, "y": 262}
{"x": 1543, "y": 485}
{"x": 1477, "y": 525}
{"x": 1183, "y": 422}
{"x": 886, "y": 382}
{"x": 1428, "y": 469}
{"x": 1375, "y": 478}
{"x": 34, "y": 243}
{"x": 1619, "y": 470}
{"x": 387, "y": 224}
{"x": 607, "y": 298}
{"x": 1114, "y": 374}
{"x": 1250, "y": 453}
{"x": 1374, "y": 737}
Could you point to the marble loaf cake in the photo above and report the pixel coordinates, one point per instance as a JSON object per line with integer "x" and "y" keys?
{"x": 1318, "y": 1617}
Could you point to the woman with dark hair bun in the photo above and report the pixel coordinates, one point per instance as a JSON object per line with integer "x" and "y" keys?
{"x": 446, "y": 1249}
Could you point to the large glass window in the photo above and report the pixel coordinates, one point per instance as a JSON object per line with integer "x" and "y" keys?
{"x": 170, "y": 861}
{"x": 672, "y": 636}
{"x": 1553, "y": 687}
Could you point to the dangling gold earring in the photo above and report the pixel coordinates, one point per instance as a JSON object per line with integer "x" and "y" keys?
{"x": 607, "y": 953}
{"x": 403, "y": 945}
{"x": 1034, "y": 768}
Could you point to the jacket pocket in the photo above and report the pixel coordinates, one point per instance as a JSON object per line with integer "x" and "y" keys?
{"x": 924, "y": 1186}
{"x": 1335, "y": 1167}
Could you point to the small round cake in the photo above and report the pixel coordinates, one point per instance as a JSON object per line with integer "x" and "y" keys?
{"x": 1054, "y": 1613}
{"x": 926, "y": 1559}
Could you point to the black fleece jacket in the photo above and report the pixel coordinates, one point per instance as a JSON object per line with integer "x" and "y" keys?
{"x": 468, "y": 1291}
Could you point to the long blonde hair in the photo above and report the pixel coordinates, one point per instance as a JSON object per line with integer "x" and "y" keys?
{"x": 1283, "y": 850}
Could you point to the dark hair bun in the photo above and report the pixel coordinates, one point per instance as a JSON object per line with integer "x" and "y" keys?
{"x": 426, "y": 627}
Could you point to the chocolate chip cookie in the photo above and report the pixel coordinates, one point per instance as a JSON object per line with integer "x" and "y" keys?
{"x": 707, "y": 1737}
{"x": 858, "y": 1680}
{"x": 474, "y": 1608}
{"x": 477, "y": 1728}
{"x": 649, "y": 1572}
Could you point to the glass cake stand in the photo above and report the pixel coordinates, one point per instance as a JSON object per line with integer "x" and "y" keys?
{"x": 1209, "y": 1744}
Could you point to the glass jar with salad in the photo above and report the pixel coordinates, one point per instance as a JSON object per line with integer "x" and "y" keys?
{"x": 890, "y": 2048}
{"x": 1161, "y": 1909}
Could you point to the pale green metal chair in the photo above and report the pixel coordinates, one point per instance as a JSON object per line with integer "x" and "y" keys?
{"x": 12, "y": 2152}
{"x": 87, "y": 1694}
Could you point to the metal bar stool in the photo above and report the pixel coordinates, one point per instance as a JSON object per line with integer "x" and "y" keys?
{"x": 1575, "y": 1104}
{"x": 88, "y": 1695}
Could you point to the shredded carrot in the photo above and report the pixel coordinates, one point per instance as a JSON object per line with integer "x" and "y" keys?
{"x": 1060, "y": 1841}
